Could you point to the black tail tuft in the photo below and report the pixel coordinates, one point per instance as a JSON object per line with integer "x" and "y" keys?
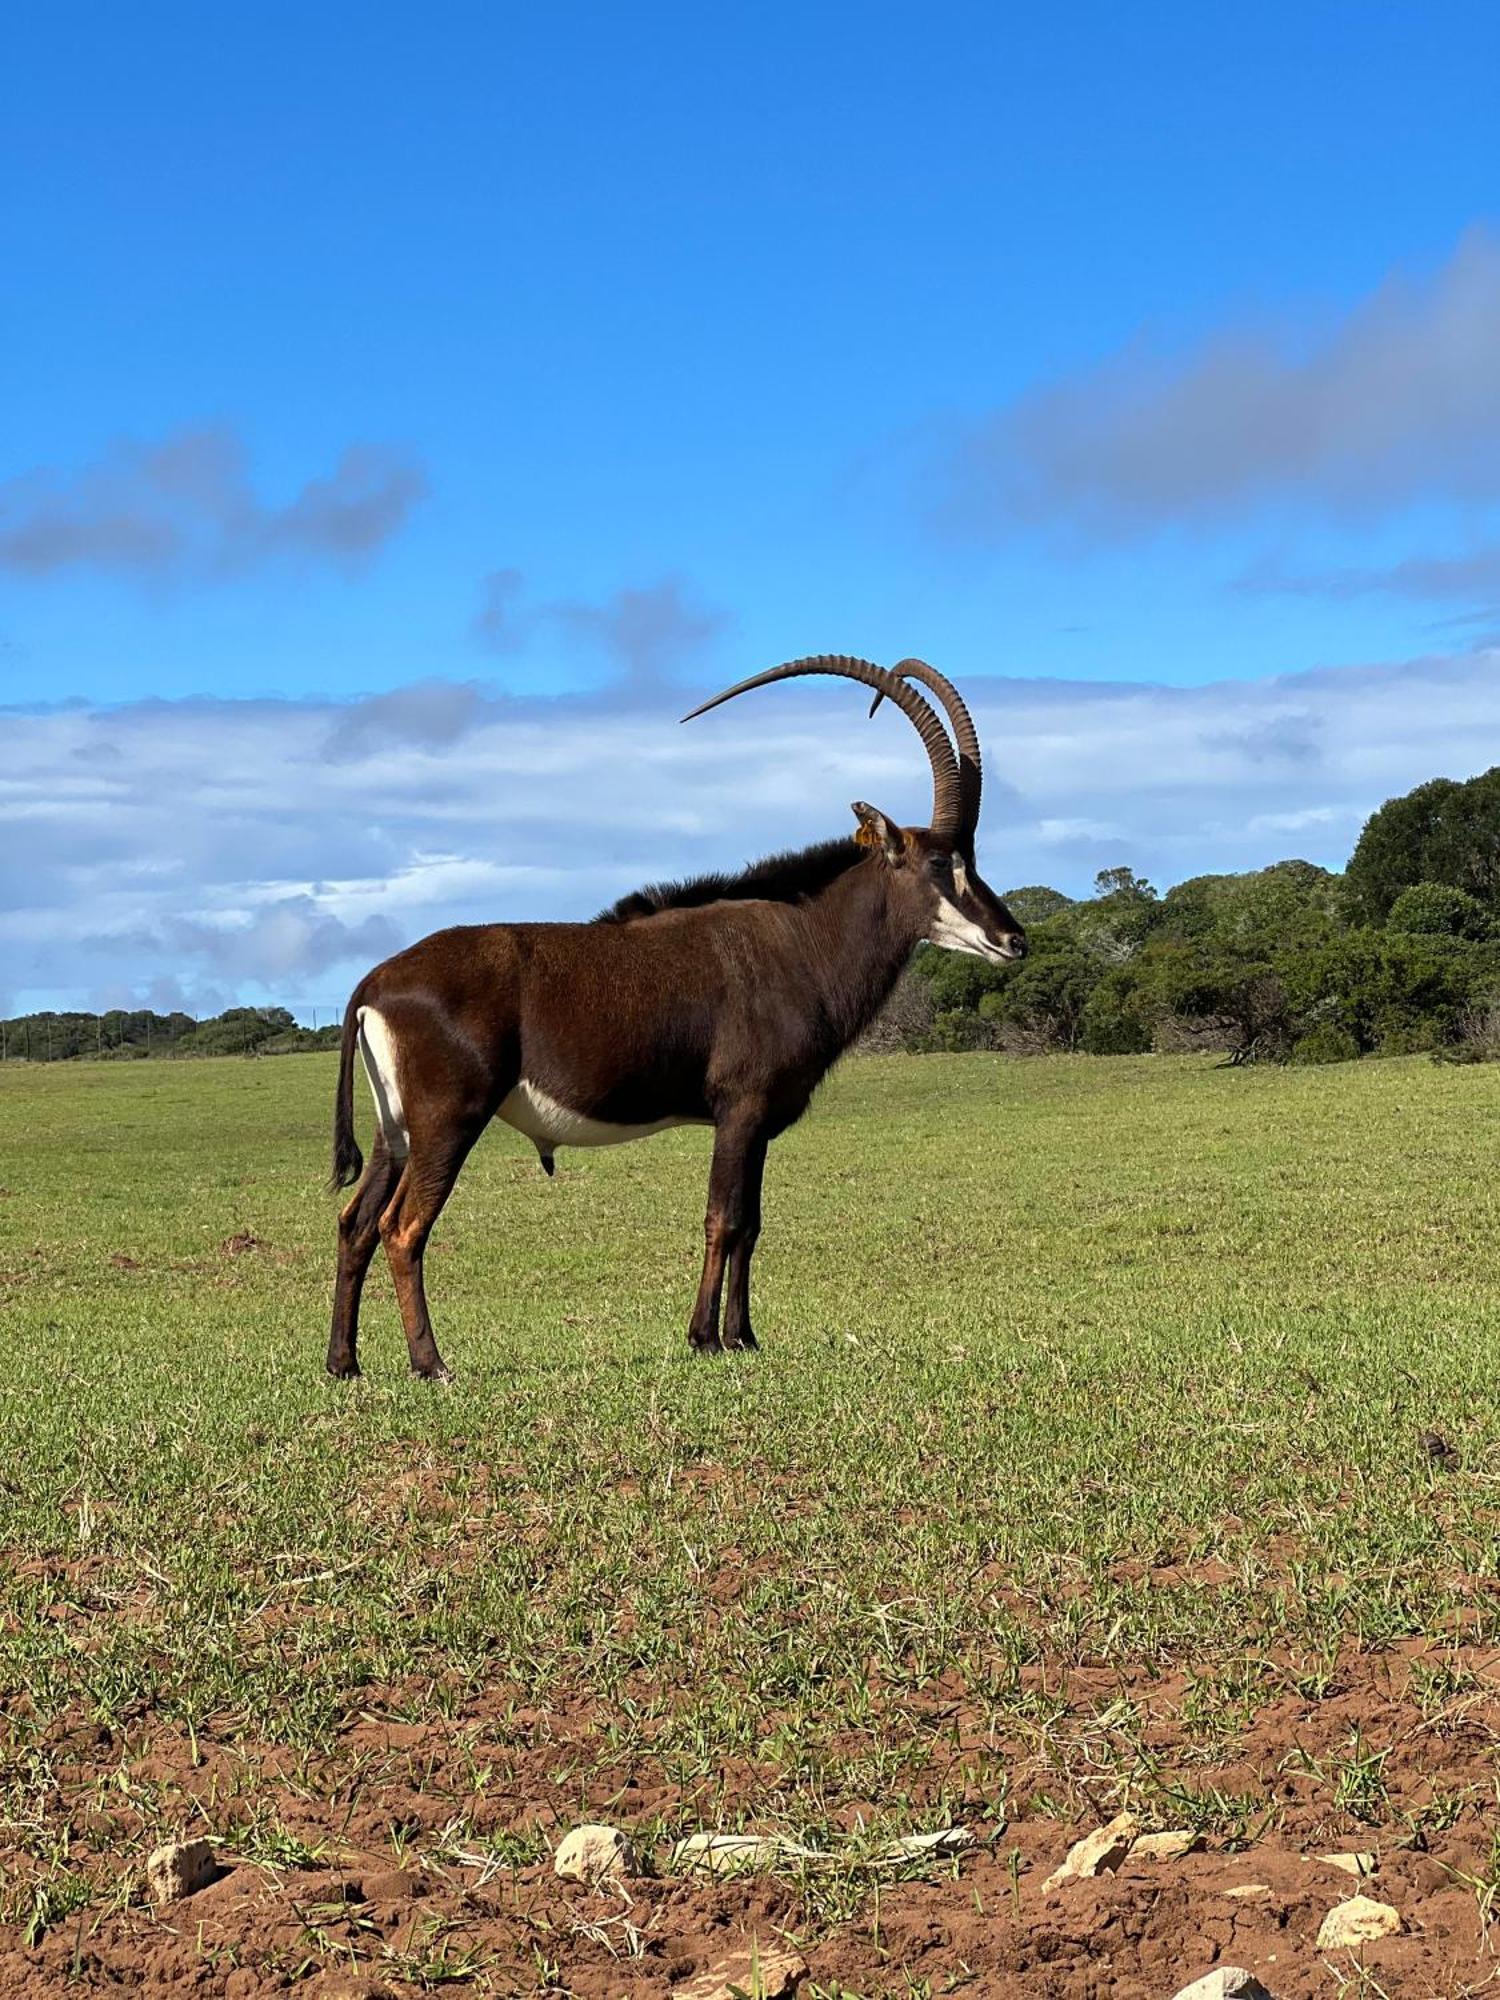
{"x": 348, "y": 1160}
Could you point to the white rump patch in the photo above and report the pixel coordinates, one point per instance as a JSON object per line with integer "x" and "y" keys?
{"x": 547, "y": 1123}
{"x": 377, "y": 1045}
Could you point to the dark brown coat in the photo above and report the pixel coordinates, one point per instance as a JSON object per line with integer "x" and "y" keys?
{"x": 722, "y": 1002}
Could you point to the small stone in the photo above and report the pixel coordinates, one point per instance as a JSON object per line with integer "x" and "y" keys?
{"x": 1361, "y": 1920}
{"x": 1097, "y": 1853}
{"x": 1225, "y": 1982}
{"x": 595, "y": 1854}
{"x": 180, "y": 1868}
{"x": 1243, "y": 1891}
{"x": 1357, "y": 1865}
{"x": 770, "y": 1972}
{"x": 1166, "y": 1846}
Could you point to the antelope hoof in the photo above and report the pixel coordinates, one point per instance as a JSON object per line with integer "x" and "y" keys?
{"x": 343, "y": 1368}
{"x": 705, "y": 1343}
{"x": 438, "y": 1372}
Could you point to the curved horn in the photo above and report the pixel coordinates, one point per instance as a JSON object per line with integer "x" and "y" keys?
{"x": 946, "y": 799}
{"x": 970, "y": 764}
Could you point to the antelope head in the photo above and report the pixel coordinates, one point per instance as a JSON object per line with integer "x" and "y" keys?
{"x": 932, "y": 873}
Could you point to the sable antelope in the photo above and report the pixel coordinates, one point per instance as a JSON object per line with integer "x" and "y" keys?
{"x": 721, "y": 1001}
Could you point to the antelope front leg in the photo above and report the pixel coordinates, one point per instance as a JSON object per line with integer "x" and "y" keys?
{"x": 733, "y": 1198}
{"x": 737, "y": 1329}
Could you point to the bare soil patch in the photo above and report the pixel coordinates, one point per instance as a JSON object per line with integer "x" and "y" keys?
{"x": 416, "y": 1853}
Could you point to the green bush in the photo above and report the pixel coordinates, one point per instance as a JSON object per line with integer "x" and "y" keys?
{"x": 1045, "y": 996}
{"x": 1393, "y": 991}
{"x": 1434, "y": 909}
{"x": 958, "y": 1030}
{"x": 1111, "y": 1024}
{"x": 1326, "y": 1044}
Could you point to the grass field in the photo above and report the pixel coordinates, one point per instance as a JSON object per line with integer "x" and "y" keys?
{"x": 1124, "y": 1434}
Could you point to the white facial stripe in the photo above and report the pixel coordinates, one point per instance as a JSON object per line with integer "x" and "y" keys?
{"x": 960, "y": 875}
{"x": 378, "y": 1047}
{"x": 955, "y": 932}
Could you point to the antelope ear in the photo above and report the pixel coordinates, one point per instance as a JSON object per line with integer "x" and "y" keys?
{"x": 877, "y": 832}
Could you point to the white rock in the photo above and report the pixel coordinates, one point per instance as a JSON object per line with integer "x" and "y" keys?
{"x": 1357, "y": 1865}
{"x": 1361, "y": 1920}
{"x": 1166, "y": 1846}
{"x": 180, "y": 1868}
{"x": 1225, "y": 1982}
{"x": 928, "y": 1846}
{"x": 730, "y": 1853}
{"x": 594, "y": 1854}
{"x": 1097, "y": 1853}
{"x": 1243, "y": 1891}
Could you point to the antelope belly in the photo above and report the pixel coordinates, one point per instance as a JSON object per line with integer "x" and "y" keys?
{"x": 548, "y": 1123}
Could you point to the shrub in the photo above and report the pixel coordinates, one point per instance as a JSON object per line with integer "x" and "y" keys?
{"x": 957, "y": 1030}
{"x": 956, "y": 980}
{"x": 1434, "y": 909}
{"x": 1478, "y": 1035}
{"x": 1392, "y": 990}
{"x": 1111, "y": 1024}
{"x": 1036, "y": 903}
{"x": 1326, "y": 1044}
{"x": 1044, "y": 999}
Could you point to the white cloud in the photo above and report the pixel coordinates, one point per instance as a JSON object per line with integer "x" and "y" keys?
{"x": 1070, "y": 832}
{"x": 184, "y": 506}
{"x": 1397, "y": 401}
{"x": 274, "y": 849}
{"x": 1299, "y": 822}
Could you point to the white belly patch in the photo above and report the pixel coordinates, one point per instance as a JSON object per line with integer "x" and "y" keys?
{"x": 377, "y": 1046}
{"x": 547, "y": 1123}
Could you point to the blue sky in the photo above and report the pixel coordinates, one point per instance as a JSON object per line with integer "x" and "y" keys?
{"x": 566, "y": 355}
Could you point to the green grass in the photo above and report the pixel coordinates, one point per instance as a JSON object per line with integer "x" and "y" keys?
{"x": 1066, "y": 1366}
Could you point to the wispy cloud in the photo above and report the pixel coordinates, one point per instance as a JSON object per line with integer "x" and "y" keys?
{"x": 644, "y": 634}
{"x": 185, "y": 507}
{"x": 1397, "y": 401}
{"x": 1470, "y": 578}
{"x": 210, "y": 848}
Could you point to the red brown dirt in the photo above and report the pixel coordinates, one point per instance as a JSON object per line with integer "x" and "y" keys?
{"x": 390, "y": 1897}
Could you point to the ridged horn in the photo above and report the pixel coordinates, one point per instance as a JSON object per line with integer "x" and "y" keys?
{"x": 970, "y": 763}
{"x": 946, "y": 796}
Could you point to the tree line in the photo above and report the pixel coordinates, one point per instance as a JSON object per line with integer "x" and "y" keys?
{"x": 1290, "y": 963}
{"x": 129, "y": 1034}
